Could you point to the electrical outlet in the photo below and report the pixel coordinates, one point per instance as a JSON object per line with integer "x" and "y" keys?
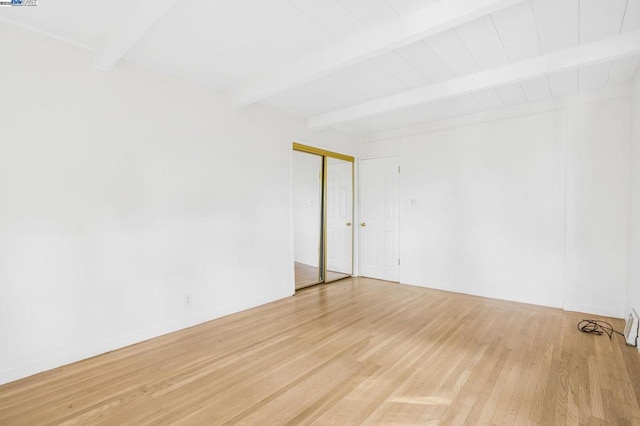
{"x": 188, "y": 300}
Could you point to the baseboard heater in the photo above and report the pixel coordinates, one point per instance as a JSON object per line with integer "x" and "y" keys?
{"x": 632, "y": 329}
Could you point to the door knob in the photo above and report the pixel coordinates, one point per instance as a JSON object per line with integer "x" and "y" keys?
{"x": 348, "y": 223}
{"x": 363, "y": 224}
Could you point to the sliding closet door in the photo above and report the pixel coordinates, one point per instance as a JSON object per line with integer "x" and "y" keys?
{"x": 323, "y": 215}
{"x": 307, "y": 218}
{"x": 339, "y": 219}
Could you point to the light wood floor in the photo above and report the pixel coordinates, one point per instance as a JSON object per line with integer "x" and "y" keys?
{"x": 357, "y": 351}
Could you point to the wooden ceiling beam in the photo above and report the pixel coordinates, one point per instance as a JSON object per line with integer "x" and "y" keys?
{"x": 368, "y": 44}
{"x": 608, "y": 49}
{"x": 120, "y": 40}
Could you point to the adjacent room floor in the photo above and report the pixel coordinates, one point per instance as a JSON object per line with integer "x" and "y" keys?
{"x": 353, "y": 352}
{"x": 307, "y": 275}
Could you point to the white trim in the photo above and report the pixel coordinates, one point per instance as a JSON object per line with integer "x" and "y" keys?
{"x": 40, "y": 366}
{"x": 593, "y": 310}
{"x": 47, "y": 34}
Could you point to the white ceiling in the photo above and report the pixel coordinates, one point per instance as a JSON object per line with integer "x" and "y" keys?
{"x": 361, "y": 65}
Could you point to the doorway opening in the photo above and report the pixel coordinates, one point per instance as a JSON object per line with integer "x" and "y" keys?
{"x": 322, "y": 215}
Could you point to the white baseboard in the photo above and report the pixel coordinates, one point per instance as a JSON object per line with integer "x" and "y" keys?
{"x": 593, "y": 310}
{"x": 40, "y": 366}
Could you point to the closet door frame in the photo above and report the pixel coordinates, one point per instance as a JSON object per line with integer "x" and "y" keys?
{"x": 325, "y": 155}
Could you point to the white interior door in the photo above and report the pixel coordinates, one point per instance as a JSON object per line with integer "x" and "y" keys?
{"x": 379, "y": 218}
{"x": 339, "y": 216}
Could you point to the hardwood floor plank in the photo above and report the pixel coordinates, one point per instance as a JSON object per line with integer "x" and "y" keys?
{"x": 357, "y": 351}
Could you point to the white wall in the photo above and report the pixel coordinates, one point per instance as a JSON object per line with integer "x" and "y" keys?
{"x": 526, "y": 207}
{"x": 123, "y": 192}
{"x": 633, "y": 283}
{"x": 598, "y": 207}
{"x": 307, "y": 207}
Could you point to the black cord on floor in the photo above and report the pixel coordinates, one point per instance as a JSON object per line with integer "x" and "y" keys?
{"x": 597, "y": 327}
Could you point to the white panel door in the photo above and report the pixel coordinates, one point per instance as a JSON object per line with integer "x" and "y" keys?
{"x": 379, "y": 218}
{"x": 339, "y": 216}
